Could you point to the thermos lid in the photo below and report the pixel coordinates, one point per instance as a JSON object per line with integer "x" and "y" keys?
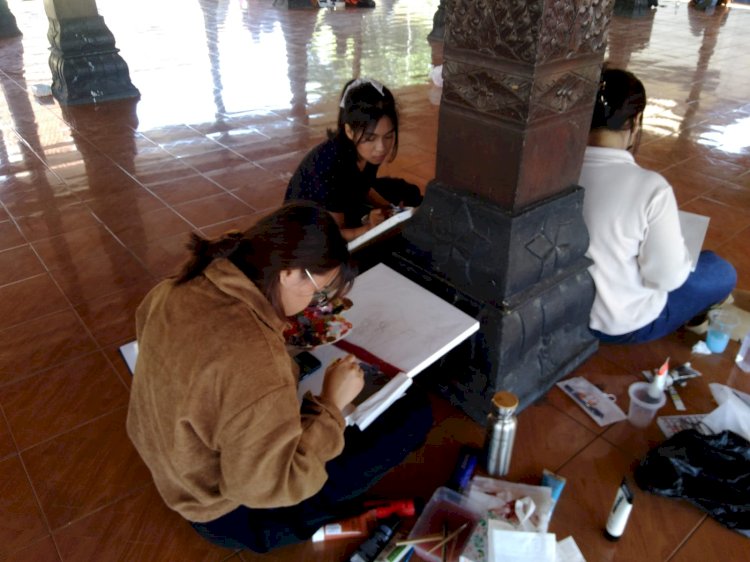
{"x": 505, "y": 401}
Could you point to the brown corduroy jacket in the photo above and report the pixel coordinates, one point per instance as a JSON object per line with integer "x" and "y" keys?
{"x": 213, "y": 409}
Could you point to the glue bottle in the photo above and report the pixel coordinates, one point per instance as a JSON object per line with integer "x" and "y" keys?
{"x": 362, "y": 525}
{"x": 658, "y": 384}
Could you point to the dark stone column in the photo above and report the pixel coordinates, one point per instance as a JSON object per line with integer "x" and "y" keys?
{"x": 500, "y": 232}
{"x": 8, "y": 26}
{"x": 85, "y": 65}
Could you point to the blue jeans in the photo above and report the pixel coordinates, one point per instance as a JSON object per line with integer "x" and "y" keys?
{"x": 366, "y": 458}
{"x": 710, "y": 283}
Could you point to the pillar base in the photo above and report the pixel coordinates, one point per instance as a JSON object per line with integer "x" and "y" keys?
{"x": 634, "y": 8}
{"x": 524, "y": 277}
{"x": 86, "y": 67}
{"x": 302, "y": 5}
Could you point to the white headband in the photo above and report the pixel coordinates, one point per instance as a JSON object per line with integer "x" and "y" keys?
{"x": 358, "y": 82}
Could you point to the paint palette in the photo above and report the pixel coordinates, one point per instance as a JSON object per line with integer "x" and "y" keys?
{"x": 319, "y": 325}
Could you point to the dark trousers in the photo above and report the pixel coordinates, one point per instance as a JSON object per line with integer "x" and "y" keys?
{"x": 366, "y": 458}
{"x": 712, "y": 281}
{"x": 397, "y": 191}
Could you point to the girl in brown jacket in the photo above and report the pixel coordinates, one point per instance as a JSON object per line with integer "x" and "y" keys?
{"x": 214, "y": 411}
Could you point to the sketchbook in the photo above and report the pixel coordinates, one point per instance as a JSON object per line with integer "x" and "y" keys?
{"x": 395, "y": 219}
{"x": 398, "y": 322}
{"x": 694, "y": 228}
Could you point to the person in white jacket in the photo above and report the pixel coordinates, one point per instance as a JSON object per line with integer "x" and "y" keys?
{"x": 642, "y": 270}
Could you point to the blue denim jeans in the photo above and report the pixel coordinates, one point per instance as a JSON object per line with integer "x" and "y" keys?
{"x": 710, "y": 283}
{"x": 366, "y": 458}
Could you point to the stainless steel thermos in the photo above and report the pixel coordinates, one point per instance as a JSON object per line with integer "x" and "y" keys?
{"x": 501, "y": 431}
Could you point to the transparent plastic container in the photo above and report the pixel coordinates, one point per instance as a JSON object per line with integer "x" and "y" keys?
{"x": 447, "y": 510}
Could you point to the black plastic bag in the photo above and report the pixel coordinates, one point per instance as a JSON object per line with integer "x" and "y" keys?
{"x": 710, "y": 471}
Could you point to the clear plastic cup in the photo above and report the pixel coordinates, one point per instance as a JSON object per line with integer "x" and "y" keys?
{"x": 643, "y": 407}
{"x": 720, "y": 325}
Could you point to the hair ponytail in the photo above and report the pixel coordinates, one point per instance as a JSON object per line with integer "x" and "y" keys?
{"x": 204, "y": 251}
{"x": 621, "y": 99}
{"x": 299, "y": 235}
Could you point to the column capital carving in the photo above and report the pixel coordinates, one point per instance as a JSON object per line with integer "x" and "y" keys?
{"x": 530, "y": 31}
{"x": 519, "y": 96}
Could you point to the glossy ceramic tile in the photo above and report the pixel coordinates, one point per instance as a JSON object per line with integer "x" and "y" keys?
{"x": 32, "y": 297}
{"x": 60, "y": 399}
{"x": 137, "y": 527}
{"x": 22, "y": 521}
{"x": 95, "y": 466}
{"x": 96, "y": 203}
{"x": 655, "y": 528}
{"x": 40, "y": 343}
{"x": 43, "y": 549}
{"x": 7, "y": 445}
{"x": 19, "y": 263}
{"x": 711, "y": 539}
{"x": 110, "y": 318}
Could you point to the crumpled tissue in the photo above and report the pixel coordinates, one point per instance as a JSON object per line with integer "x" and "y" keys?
{"x": 701, "y": 348}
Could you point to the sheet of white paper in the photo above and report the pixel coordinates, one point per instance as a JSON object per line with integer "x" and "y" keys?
{"x": 694, "y": 228}
{"x": 733, "y": 413}
{"x": 722, "y": 393}
{"x": 568, "y": 551}
{"x": 129, "y": 352}
{"x": 519, "y": 546}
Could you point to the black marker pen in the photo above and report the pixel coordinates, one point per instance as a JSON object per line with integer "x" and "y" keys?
{"x": 369, "y": 550}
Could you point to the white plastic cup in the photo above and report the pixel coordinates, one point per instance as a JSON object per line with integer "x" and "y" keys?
{"x": 643, "y": 407}
{"x": 720, "y": 325}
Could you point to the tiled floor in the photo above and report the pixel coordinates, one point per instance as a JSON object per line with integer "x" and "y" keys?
{"x": 96, "y": 202}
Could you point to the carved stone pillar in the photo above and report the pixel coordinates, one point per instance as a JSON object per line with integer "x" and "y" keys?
{"x": 85, "y": 65}
{"x": 500, "y": 232}
{"x": 8, "y": 26}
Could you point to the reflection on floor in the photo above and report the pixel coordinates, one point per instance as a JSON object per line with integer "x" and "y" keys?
{"x": 96, "y": 203}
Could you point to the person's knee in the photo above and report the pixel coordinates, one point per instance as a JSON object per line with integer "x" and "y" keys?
{"x": 720, "y": 274}
{"x": 412, "y": 196}
{"x": 417, "y": 414}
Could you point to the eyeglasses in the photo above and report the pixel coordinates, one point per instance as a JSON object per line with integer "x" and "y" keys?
{"x": 321, "y": 296}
